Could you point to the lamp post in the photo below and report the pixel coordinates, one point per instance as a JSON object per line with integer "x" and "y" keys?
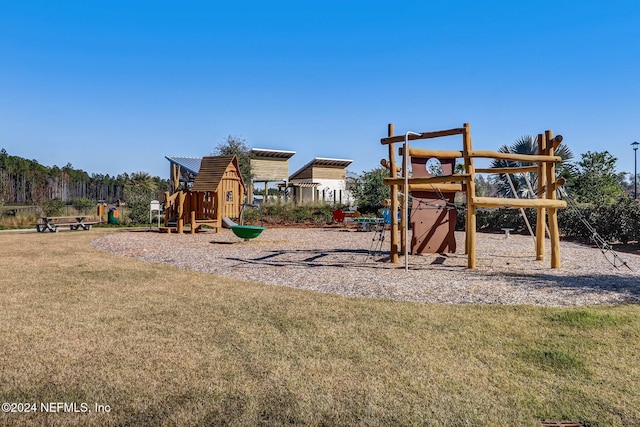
{"x": 635, "y": 169}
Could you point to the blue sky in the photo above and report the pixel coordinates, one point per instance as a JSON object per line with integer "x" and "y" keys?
{"x": 114, "y": 86}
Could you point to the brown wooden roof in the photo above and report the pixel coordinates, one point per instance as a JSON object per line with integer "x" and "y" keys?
{"x": 212, "y": 169}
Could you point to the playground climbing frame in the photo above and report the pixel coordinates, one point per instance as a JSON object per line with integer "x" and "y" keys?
{"x": 401, "y": 180}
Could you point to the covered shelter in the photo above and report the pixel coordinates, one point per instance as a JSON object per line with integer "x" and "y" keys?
{"x": 268, "y": 166}
{"x": 322, "y": 179}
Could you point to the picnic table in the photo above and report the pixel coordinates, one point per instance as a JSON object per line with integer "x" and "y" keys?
{"x": 52, "y": 223}
{"x": 368, "y": 224}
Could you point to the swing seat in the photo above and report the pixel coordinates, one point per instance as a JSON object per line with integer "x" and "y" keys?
{"x": 247, "y": 232}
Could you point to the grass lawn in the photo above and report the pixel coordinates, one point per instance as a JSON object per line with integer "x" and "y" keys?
{"x": 156, "y": 345}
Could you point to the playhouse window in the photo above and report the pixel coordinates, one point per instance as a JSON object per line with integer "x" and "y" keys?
{"x": 434, "y": 167}
{"x": 229, "y": 196}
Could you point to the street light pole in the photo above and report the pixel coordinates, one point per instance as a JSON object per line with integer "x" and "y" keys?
{"x": 635, "y": 169}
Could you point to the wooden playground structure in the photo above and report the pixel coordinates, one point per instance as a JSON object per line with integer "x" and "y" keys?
{"x": 216, "y": 192}
{"x": 420, "y": 184}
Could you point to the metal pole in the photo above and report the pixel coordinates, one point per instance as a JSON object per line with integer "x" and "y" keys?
{"x": 405, "y": 196}
{"x": 635, "y": 173}
{"x": 635, "y": 169}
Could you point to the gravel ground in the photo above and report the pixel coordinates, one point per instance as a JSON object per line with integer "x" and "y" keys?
{"x": 348, "y": 262}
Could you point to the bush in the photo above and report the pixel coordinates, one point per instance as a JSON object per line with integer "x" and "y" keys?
{"x": 138, "y": 209}
{"x": 369, "y": 190}
{"x": 615, "y": 222}
{"x": 53, "y": 207}
{"x": 290, "y": 213}
{"x": 83, "y": 204}
{"x": 493, "y": 220}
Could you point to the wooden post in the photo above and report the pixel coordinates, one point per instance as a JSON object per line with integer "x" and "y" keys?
{"x": 175, "y": 176}
{"x": 470, "y": 232}
{"x": 167, "y": 208}
{"x": 181, "y": 198}
{"x": 219, "y": 205}
{"x": 403, "y": 218}
{"x": 553, "y": 212}
{"x": 266, "y": 192}
{"x": 193, "y": 222}
{"x": 394, "y": 198}
{"x": 542, "y": 213}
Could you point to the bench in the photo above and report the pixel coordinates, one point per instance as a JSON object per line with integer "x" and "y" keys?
{"x": 368, "y": 224}
{"x": 507, "y": 232}
{"x": 53, "y": 223}
{"x": 340, "y": 215}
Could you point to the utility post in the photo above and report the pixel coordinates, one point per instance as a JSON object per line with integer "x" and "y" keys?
{"x": 635, "y": 169}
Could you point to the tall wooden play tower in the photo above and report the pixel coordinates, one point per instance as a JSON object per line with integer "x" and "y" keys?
{"x": 420, "y": 185}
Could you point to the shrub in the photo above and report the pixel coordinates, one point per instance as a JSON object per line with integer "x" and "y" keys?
{"x": 83, "y": 204}
{"x": 615, "y": 222}
{"x": 53, "y": 207}
{"x": 290, "y": 213}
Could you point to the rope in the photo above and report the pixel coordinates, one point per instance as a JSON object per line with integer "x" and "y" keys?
{"x": 377, "y": 241}
{"x": 606, "y": 249}
{"x": 432, "y": 205}
{"x": 522, "y": 213}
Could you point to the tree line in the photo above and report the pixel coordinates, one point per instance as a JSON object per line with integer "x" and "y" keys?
{"x": 27, "y": 182}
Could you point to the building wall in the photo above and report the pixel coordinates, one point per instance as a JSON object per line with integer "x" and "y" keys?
{"x": 322, "y": 172}
{"x": 269, "y": 169}
{"x": 328, "y": 190}
{"x": 328, "y": 173}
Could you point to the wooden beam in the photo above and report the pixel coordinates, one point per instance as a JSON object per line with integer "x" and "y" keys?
{"x": 471, "y": 217}
{"x": 541, "y": 220}
{"x": 176, "y": 176}
{"x": 513, "y": 156}
{"x": 554, "y": 231}
{"x": 518, "y": 169}
{"x": 498, "y": 202}
{"x": 559, "y": 183}
{"x": 387, "y": 165}
{"x": 556, "y": 141}
{"x": 431, "y": 180}
{"x": 428, "y": 154}
{"x": 423, "y": 135}
{"x": 445, "y": 188}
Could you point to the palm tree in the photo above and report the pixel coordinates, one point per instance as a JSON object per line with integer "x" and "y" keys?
{"x": 142, "y": 181}
{"x": 527, "y": 144}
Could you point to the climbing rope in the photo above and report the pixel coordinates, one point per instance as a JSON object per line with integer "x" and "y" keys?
{"x": 377, "y": 241}
{"x": 606, "y": 249}
{"x": 424, "y": 204}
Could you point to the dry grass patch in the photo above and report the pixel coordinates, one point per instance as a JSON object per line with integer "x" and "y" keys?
{"x": 164, "y": 346}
